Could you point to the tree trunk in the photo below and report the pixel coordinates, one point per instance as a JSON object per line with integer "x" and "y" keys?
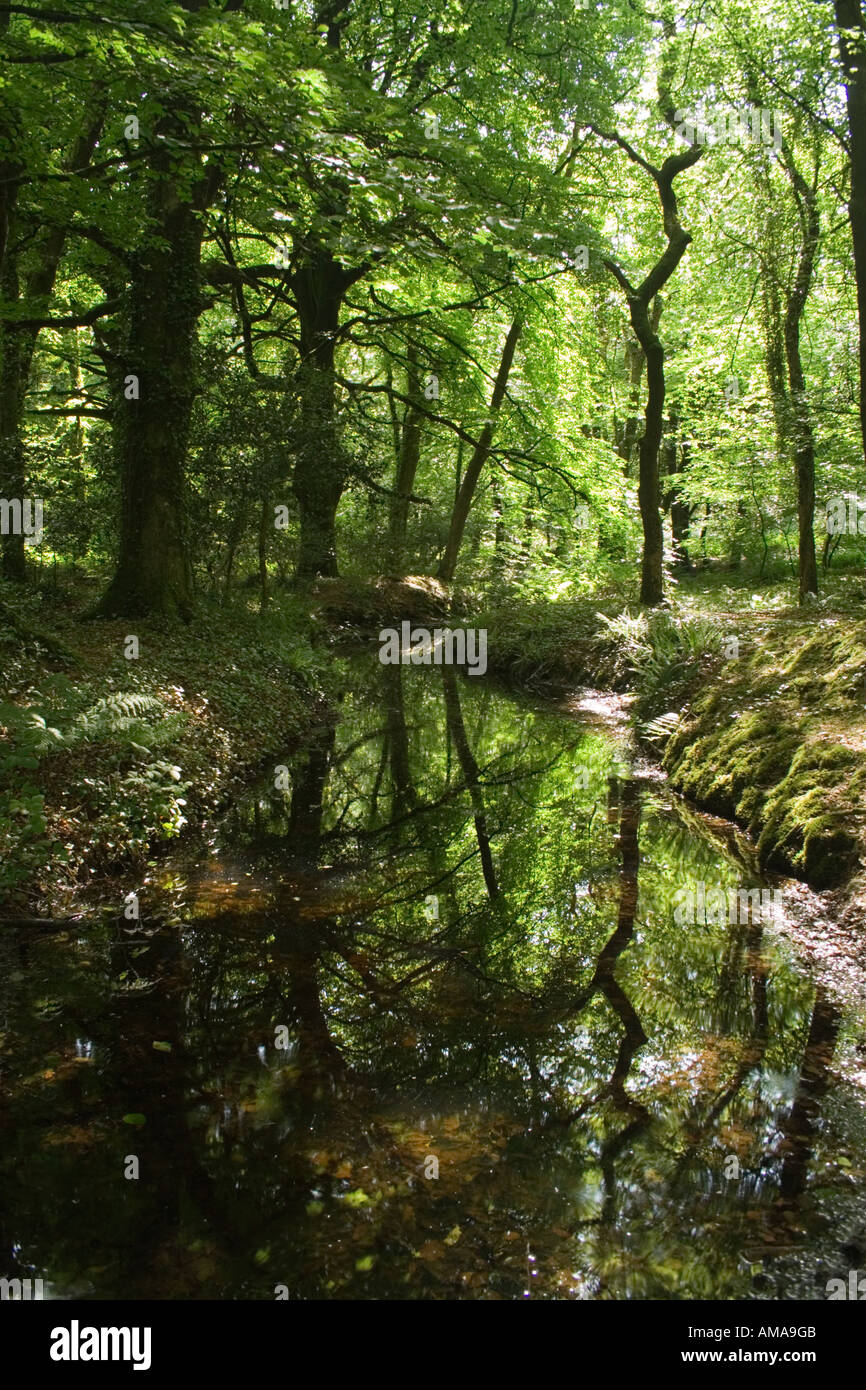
{"x": 804, "y": 462}
{"x": 471, "y": 778}
{"x": 651, "y": 578}
{"x": 774, "y": 359}
{"x": 405, "y": 795}
{"x": 773, "y": 271}
{"x": 639, "y": 300}
{"x": 18, "y": 342}
{"x": 154, "y": 574}
{"x": 319, "y": 479}
{"x": 407, "y": 464}
{"x": 264, "y": 525}
{"x": 679, "y": 455}
{"x": 14, "y": 373}
{"x": 634, "y": 362}
{"x": 479, "y": 457}
{"x": 234, "y": 540}
{"x": 849, "y": 17}
{"x": 736, "y": 556}
{"x": 499, "y": 533}
{"x": 151, "y": 418}
{"x": 12, "y": 386}
{"x": 804, "y": 439}
{"x": 318, "y": 500}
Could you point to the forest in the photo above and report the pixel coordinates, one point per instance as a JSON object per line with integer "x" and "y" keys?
{"x": 523, "y": 341}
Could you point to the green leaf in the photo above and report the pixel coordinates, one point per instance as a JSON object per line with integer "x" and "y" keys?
{"x": 358, "y": 1198}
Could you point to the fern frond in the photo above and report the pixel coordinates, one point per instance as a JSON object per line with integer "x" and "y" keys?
{"x": 116, "y": 714}
{"x": 660, "y": 729}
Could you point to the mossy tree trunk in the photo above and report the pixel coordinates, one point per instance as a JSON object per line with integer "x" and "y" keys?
{"x": 153, "y": 573}
{"x": 27, "y": 274}
{"x": 801, "y": 419}
{"x": 319, "y": 287}
{"x": 156, "y": 344}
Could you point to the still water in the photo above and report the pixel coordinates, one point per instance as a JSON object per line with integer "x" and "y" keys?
{"x": 421, "y": 1023}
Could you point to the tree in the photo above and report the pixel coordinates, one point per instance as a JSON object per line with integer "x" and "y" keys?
{"x": 851, "y": 26}
{"x": 639, "y": 300}
{"x": 466, "y": 491}
{"x": 801, "y": 421}
{"x": 408, "y": 455}
{"x": 151, "y": 361}
{"x": 33, "y": 233}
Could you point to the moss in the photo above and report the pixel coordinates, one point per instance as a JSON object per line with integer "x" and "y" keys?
{"x": 830, "y": 858}
{"x": 774, "y": 761}
{"x": 367, "y": 603}
{"x": 780, "y": 744}
{"x": 809, "y": 817}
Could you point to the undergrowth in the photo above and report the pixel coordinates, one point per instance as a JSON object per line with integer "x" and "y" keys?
{"x": 104, "y": 758}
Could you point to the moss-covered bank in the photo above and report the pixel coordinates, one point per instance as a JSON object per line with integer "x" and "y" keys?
{"x": 776, "y": 738}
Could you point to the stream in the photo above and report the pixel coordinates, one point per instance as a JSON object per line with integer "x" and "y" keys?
{"x": 424, "y": 1022}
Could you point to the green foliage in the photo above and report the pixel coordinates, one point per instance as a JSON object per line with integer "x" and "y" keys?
{"x": 96, "y": 778}
{"x": 114, "y": 720}
{"x": 136, "y": 810}
{"x": 663, "y": 651}
{"x": 440, "y": 171}
{"x": 25, "y": 850}
{"x": 134, "y": 801}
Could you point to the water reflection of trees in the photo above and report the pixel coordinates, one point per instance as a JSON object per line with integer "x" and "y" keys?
{"x": 517, "y": 1015}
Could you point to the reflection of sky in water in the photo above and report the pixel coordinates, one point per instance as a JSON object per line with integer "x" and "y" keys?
{"x": 579, "y": 1066}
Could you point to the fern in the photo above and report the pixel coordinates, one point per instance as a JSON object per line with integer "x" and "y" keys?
{"x": 660, "y": 729}
{"x": 661, "y": 650}
{"x": 630, "y": 632}
{"x": 121, "y": 717}
{"x": 116, "y": 714}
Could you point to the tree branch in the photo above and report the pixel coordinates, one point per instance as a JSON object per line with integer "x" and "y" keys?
{"x": 99, "y": 311}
